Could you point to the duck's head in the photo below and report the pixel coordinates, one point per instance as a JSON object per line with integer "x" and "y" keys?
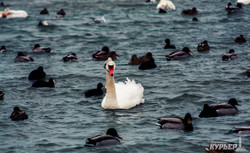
{"x": 186, "y": 50}
{"x": 149, "y": 54}
{"x": 36, "y": 46}
{"x": 100, "y": 86}
{"x": 239, "y": 5}
{"x": 188, "y": 122}
{"x": 40, "y": 68}
{"x": 134, "y": 57}
{"x": 167, "y": 41}
{"x": 20, "y": 54}
{"x": 194, "y": 9}
{"x": 195, "y": 19}
{"x": 231, "y": 51}
{"x": 3, "y": 47}
{"x": 74, "y": 54}
{"x": 110, "y": 66}
{"x": 106, "y": 49}
{"x": 233, "y": 102}
{"x": 205, "y": 41}
{"x": 188, "y": 118}
{"x": 113, "y": 132}
{"x": 16, "y": 109}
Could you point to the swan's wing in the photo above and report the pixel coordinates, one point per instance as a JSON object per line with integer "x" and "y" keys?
{"x": 129, "y": 94}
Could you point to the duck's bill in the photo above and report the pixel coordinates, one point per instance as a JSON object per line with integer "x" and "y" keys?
{"x": 119, "y": 136}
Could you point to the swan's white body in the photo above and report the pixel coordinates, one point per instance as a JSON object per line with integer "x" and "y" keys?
{"x": 16, "y": 14}
{"x": 121, "y": 95}
{"x": 244, "y": 1}
{"x": 166, "y": 5}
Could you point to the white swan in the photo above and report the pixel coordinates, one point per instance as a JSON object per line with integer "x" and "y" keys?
{"x": 166, "y": 5}
{"x": 13, "y": 14}
{"x": 121, "y": 95}
{"x": 243, "y": 1}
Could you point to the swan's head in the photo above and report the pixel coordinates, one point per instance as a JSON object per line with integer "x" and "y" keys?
{"x": 110, "y": 66}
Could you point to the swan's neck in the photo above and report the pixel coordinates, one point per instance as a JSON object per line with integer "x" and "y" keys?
{"x": 111, "y": 101}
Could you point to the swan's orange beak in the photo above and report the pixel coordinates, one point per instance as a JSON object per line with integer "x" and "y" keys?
{"x": 111, "y": 70}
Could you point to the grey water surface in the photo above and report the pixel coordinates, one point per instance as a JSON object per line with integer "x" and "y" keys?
{"x": 61, "y": 118}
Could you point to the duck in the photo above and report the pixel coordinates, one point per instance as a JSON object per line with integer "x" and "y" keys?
{"x": 148, "y": 62}
{"x": 203, "y": 46}
{"x": 42, "y": 23}
{"x": 104, "y": 54}
{"x": 72, "y": 57}
{"x": 98, "y": 20}
{"x": 1, "y": 95}
{"x": 190, "y": 11}
{"x": 42, "y": 83}
{"x": 185, "y": 52}
{"x": 22, "y": 58}
{"x": 18, "y": 114}
{"x": 195, "y": 19}
{"x": 61, "y": 13}
{"x": 95, "y": 92}
{"x": 165, "y": 5}
{"x": 2, "y": 4}
{"x": 121, "y": 95}
{"x": 168, "y": 45}
{"x": 240, "y": 39}
{"x": 44, "y": 11}
{"x": 247, "y": 73}
{"x": 37, "y": 74}
{"x": 232, "y": 9}
{"x": 220, "y": 109}
{"x": 177, "y": 123}
{"x": 230, "y": 55}
{"x": 110, "y": 138}
{"x": 242, "y": 130}
{"x": 3, "y": 49}
{"x": 134, "y": 60}
{"x": 38, "y": 49}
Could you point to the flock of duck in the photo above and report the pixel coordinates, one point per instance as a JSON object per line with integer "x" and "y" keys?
{"x": 130, "y": 94}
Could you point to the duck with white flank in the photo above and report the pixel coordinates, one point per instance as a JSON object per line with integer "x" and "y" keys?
{"x": 110, "y": 138}
{"x": 184, "y": 53}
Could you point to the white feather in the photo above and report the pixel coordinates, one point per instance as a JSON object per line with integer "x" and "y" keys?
{"x": 128, "y": 93}
{"x": 243, "y": 1}
{"x": 166, "y": 5}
